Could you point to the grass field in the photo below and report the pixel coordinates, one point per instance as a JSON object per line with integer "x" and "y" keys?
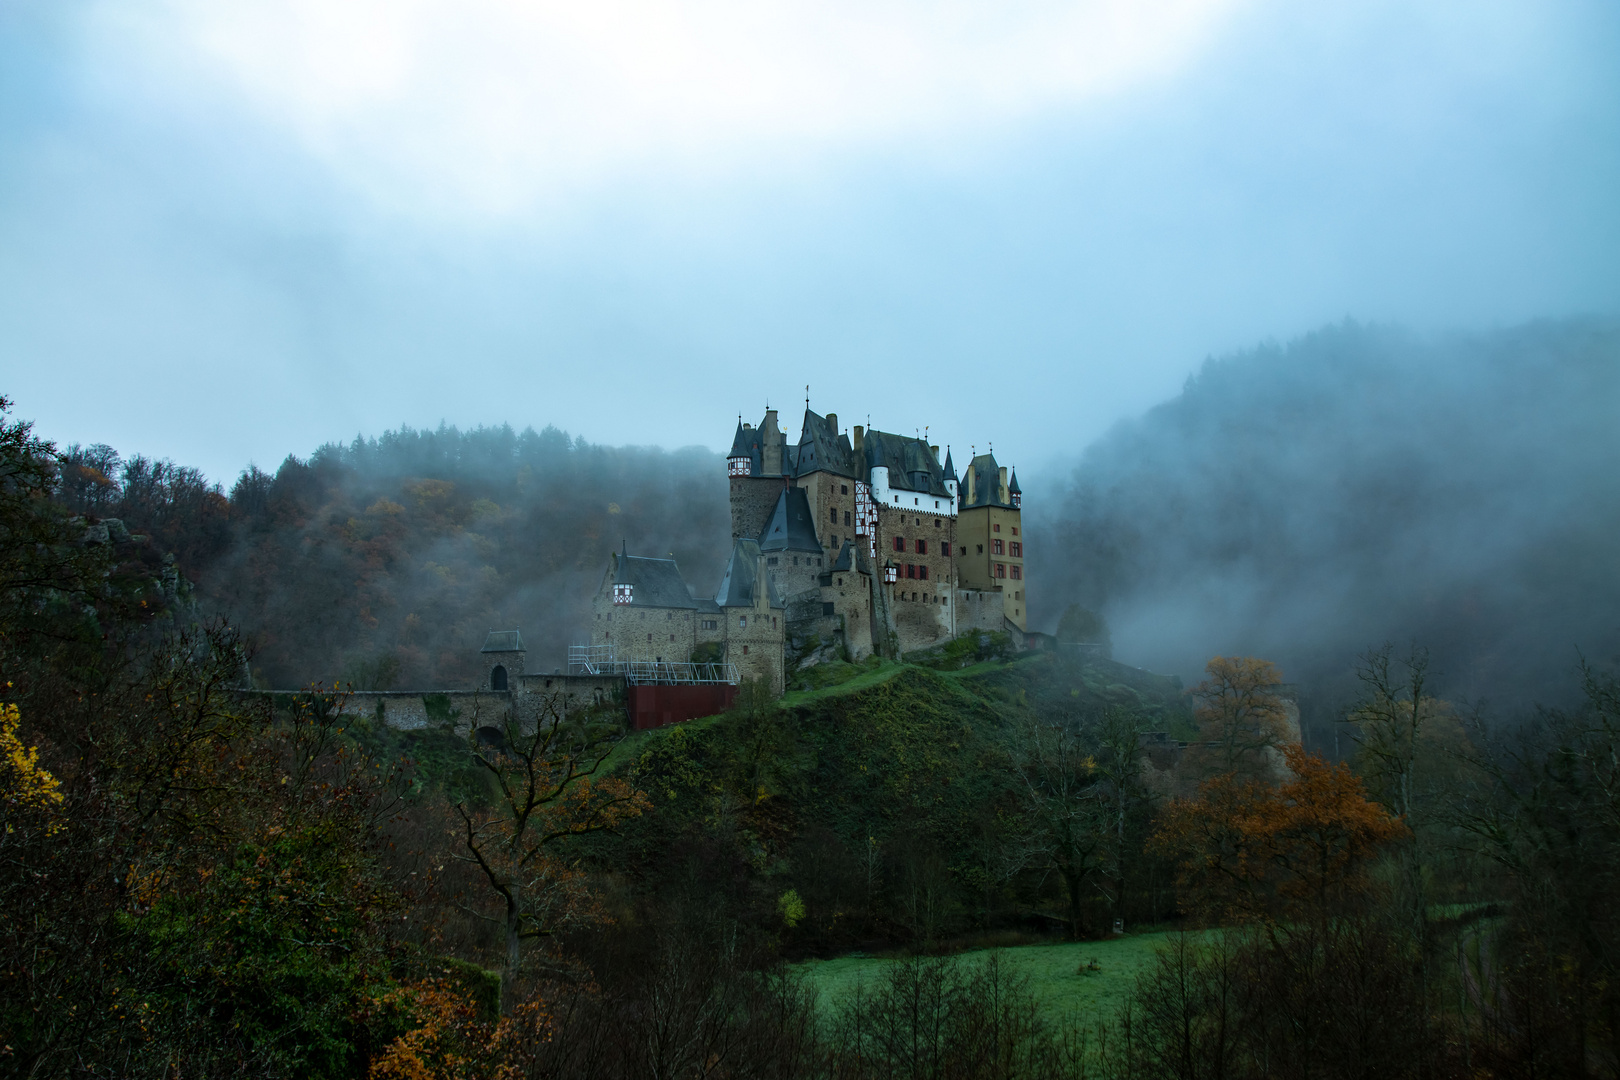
{"x": 1060, "y": 976}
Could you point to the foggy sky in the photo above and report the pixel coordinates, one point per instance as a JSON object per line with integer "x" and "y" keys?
{"x": 230, "y": 232}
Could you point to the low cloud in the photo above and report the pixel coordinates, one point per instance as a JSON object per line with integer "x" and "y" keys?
{"x": 490, "y": 106}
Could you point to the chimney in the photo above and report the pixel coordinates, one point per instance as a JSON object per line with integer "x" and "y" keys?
{"x": 972, "y": 477}
{"x": 937, "y": 460}
{"x": 832, "y": 422}
{"x": 1001, "y": 495}
{"x": 859, "y": 431}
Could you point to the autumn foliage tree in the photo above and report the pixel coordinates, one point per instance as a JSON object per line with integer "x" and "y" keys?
{"x": 1248, "y": 851}
{"x": 1243, "y": 721}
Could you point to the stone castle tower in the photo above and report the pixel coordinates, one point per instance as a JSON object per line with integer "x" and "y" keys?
{"x": 842, "y": 544}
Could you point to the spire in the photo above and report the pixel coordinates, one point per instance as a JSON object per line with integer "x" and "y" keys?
{"x": 950, "y": 470}
{"x": 1013, "y": 488}
{"x": 739, "y": 442}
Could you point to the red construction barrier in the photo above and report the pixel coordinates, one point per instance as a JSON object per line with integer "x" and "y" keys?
{"x": 655, "y": 706}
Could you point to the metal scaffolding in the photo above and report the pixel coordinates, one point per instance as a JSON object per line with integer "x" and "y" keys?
{"x": 599, "y": 660}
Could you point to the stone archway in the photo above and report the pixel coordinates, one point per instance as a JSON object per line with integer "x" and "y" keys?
{"x": 497, "y": 678}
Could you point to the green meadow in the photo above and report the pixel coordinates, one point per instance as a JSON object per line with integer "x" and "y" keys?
{"x": 1073, "y": 979}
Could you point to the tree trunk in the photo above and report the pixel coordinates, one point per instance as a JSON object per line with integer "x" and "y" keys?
{"x": 514, "y": 956}
{"x": 1072, "y": 880}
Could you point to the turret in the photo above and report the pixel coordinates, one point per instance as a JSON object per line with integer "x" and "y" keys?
{"x": 1014, "y": 492}
{"x": 740, "y": 462}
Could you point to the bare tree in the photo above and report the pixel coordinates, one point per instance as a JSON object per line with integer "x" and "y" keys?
{"x": 544, "y": 775}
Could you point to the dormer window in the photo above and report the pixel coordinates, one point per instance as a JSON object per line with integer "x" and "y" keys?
{"x": 623, "y": 594}
{"x": 738, "y": 466}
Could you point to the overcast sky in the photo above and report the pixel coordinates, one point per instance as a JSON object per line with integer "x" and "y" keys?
{"x": 234, "y": 229}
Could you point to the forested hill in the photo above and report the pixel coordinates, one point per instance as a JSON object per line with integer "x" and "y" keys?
{"x": 1359, "y": 485}
{"x": 386, "y": 561}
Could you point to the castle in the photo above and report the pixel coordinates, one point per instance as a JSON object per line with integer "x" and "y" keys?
{"x": 842, "y": 545}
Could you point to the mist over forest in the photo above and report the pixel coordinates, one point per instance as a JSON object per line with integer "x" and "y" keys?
{"x": 384, "y": 562}
{"x": 1362, "y": 484}
{"x": 1301, "y": 502}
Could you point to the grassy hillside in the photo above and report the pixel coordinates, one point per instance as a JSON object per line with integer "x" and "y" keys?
{"x": 883, "y": 797}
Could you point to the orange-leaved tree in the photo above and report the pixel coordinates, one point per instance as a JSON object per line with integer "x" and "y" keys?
{"x": 543, "y": 769}
{"x": 1250, "y": 851}
{"x": 1242, "y": 719}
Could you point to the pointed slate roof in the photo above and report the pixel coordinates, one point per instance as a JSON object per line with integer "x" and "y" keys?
{"x": 791, "y": 526}
{"x": 985, "y": 483}
{"x": 950, "y": 469}
{"x": 739, "y": 441}
{"x": 821, "y": 450}
{"x": 846, "y": 558}
{"x": 503, "y": 641}
{"x": 912, "y": 466}
{"x": 657, "y": 583}
{"x": 741, "y": 584}
{"x": 1012, "y": 487}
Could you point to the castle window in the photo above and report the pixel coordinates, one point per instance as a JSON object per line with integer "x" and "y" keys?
{"x": 938, "y": 523}
{"x": 771, "y": 561}
{"x": 497, "y": 678}
{"x": 899, "y": 543}
{"x": 1018, "y": 572}
{"x": 826, "y": 609}
{"x": 649, "y": 639}
{"x": 945, "y": 548}
{"x": 624, "y": 594}
{"x": 995, "y": 547}
{"x": 672, "y": 637}
{"x": 1001, "y": 569}
{"x": 1015, "y": 530}
{"x": 843, "y": 489}
{"x": 669, "y": 616}
{"x": 996, "y": 527}
{"x": 922, "y": 572}
{"x": 773, "y": 622}
{"x": 795, "y": 560}
{"x": 835, "y": 515}
{"x": 922, "y": 547}
{"x": 846, "y": 517}
{"x": 742, "y": 622}
{"x": 980, "y": 547}
{"x": 745, "y": 650}
{"x": 911, "y": 570}
{"x": 710, "y": 624}
{"x": 916, "y": 502}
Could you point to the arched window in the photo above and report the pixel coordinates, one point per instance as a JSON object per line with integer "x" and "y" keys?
{"x": 497, "y": 678}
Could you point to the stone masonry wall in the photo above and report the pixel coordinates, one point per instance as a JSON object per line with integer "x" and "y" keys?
{"x": 644, "y": 633}
{"x": 921, "y": 606}
{"x": 752, "y": 500}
